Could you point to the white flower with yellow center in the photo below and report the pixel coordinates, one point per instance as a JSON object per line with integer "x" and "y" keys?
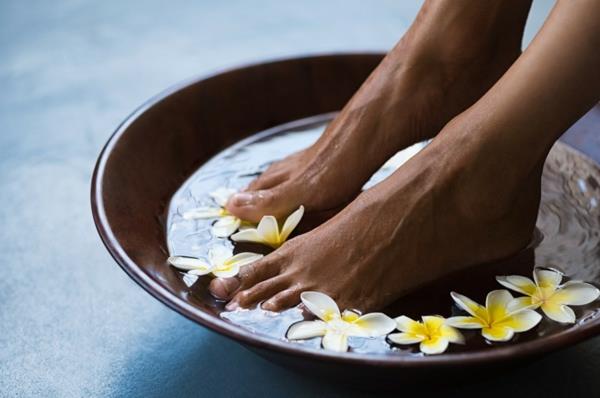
{"x": 226, "y": 223}
{"x": 268, "y": 233}
{"x": 433, "y": 333}
{"x": 499, "y": 320}
{"x": 546, "y": 292}
{"x": 221, "y": 263}
{"x": 335, "y": 328}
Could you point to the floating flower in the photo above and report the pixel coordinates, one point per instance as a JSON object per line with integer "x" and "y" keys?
{"x": 226, "y": 223}
{"x": 335, "y": 328}
{"x": 433, "y": 333}
{"x": 267, "y": 232}
{"x": 221, "y": 263}
{"x": 545, "y": 291}
{"x": 498, "y": 320}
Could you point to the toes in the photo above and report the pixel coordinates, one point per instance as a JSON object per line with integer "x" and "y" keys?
{"x": 259, "y": 292}
{"x": 266, "y": 181}
{"x": 284, "y": 299}
{"x": 252, "y": 205}
{"x": 223, "y": 288}
{"x": 251, "y": 274}
{"x": 258, "y": 271}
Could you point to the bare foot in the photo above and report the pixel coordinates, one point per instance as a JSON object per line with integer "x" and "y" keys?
{"x": 437, "y": 70}
{"x": 434, "y": 215}
{"x": 470, "y": 197}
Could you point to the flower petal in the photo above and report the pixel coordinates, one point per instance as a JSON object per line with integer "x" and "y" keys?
{"x": 218, "y": 254}
{"x": 437, "y": 345}
{"x": 222, "y": 195}
{"x": 335, "y": 341}
{"x": 200, "y": 271}
{"x": 188, "y": 263}
{"x": 498, "y": 333}
{"x": 452, "y": 334}
{"x": 202, "y": 212}
{"x": 405, "y": 324}
{"x": 247, "y": 235}
{"x": 521, "y": 321}
{"x": 465, "y": 322}
{"x": 242, "y": 259}
{"x": 433, "y": 323}
{"x": 405, "y": 338}
{"x": 374, "y": 324}
{"x": 226, "y": 271}
{"x": 517, "y": 283}
{"x": 520, "y": 303}
{"x": 225, "y": 226}
{"x": 558, "y": 313}
{"x": 470, "y": 306}
{"x": 269, "y": 230}
{"x": 306, "y": 330}
{"x": 350, "y": 316}
{"x": 546, "y": 278}
{"x": 291, "y": 222}
{"x": 576, "y": 293}
{"x": 321, "y": 305}
{"x": 496, "y": 303}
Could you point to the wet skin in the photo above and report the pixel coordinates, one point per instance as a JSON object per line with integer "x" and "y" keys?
{"x": 471, "y": 196}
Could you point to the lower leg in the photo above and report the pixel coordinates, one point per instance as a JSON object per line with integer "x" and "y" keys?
{"x": 453, "y": 52}
{"x": 550, "y": 86}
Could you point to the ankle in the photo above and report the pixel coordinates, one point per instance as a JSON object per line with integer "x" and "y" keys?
{"x": 491, "y": 179}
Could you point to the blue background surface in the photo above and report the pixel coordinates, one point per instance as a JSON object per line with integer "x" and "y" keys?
{"x": 72, "y": 323}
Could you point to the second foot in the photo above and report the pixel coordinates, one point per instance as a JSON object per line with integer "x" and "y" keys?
{"x": 433, "y": 216}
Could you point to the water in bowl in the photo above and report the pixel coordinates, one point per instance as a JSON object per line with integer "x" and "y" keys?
{"x": 567, "y": 236}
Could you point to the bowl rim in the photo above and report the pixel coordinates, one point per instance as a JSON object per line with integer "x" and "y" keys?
{"x": 511, "y": 352}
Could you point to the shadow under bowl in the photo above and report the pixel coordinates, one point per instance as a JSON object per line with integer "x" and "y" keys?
{"x": 163, "y": 142}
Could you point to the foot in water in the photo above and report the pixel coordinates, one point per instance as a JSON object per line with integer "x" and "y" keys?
{"x": 469, "y": 197}
{"x": 432, "y": 216}
{"x": 438, "y": 69}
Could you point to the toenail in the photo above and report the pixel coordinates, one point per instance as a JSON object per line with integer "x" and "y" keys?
{"x": 268, "y": 305}
{"x": 242, "y": 199}
{"x": 224, "y": 287}
{"x": 232, "y": 306}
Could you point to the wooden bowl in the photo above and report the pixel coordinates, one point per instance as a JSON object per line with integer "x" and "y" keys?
{"x": 158, "y": 146}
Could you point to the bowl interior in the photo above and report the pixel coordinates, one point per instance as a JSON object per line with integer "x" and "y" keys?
{"x": 154, "y": 151}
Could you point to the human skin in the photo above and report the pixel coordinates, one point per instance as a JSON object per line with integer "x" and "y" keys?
{"x": 451, "y": 54}
{"x": 469, "y": 197}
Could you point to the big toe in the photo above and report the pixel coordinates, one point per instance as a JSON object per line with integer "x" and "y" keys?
{"x": 224, "y": 288}
{"x": 253, "y": 205}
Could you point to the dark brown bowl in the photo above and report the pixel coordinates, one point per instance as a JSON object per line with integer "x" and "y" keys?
{"x": 158, "y": 146}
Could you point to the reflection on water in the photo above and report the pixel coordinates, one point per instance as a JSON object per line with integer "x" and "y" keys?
{"x": 568, "y": 224}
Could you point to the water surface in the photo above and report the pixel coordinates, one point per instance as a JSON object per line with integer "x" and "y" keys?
{"x": 567, "y": 236}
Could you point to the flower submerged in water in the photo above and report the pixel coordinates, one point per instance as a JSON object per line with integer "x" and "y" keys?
{"x": 221, "y": 263}
{"x": 267, "y": 232}
{"x": 227, "y": 223}
{"x": 499, "y": 320}
{"x": 546, "y": 292}
{"x": 335, "y": 328}
{"x": 433, "y": 333}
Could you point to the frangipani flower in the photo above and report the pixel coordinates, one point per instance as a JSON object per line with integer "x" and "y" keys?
{"x": 226, "y": 223}
{"x": 335, "y": 327}
{"x": 499, "y": 320}
{"x": 221, "y": 262}
{"x": 433, "y": 333}
{"x": 547, "y": 292}
{"x": 267, "y": 232}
